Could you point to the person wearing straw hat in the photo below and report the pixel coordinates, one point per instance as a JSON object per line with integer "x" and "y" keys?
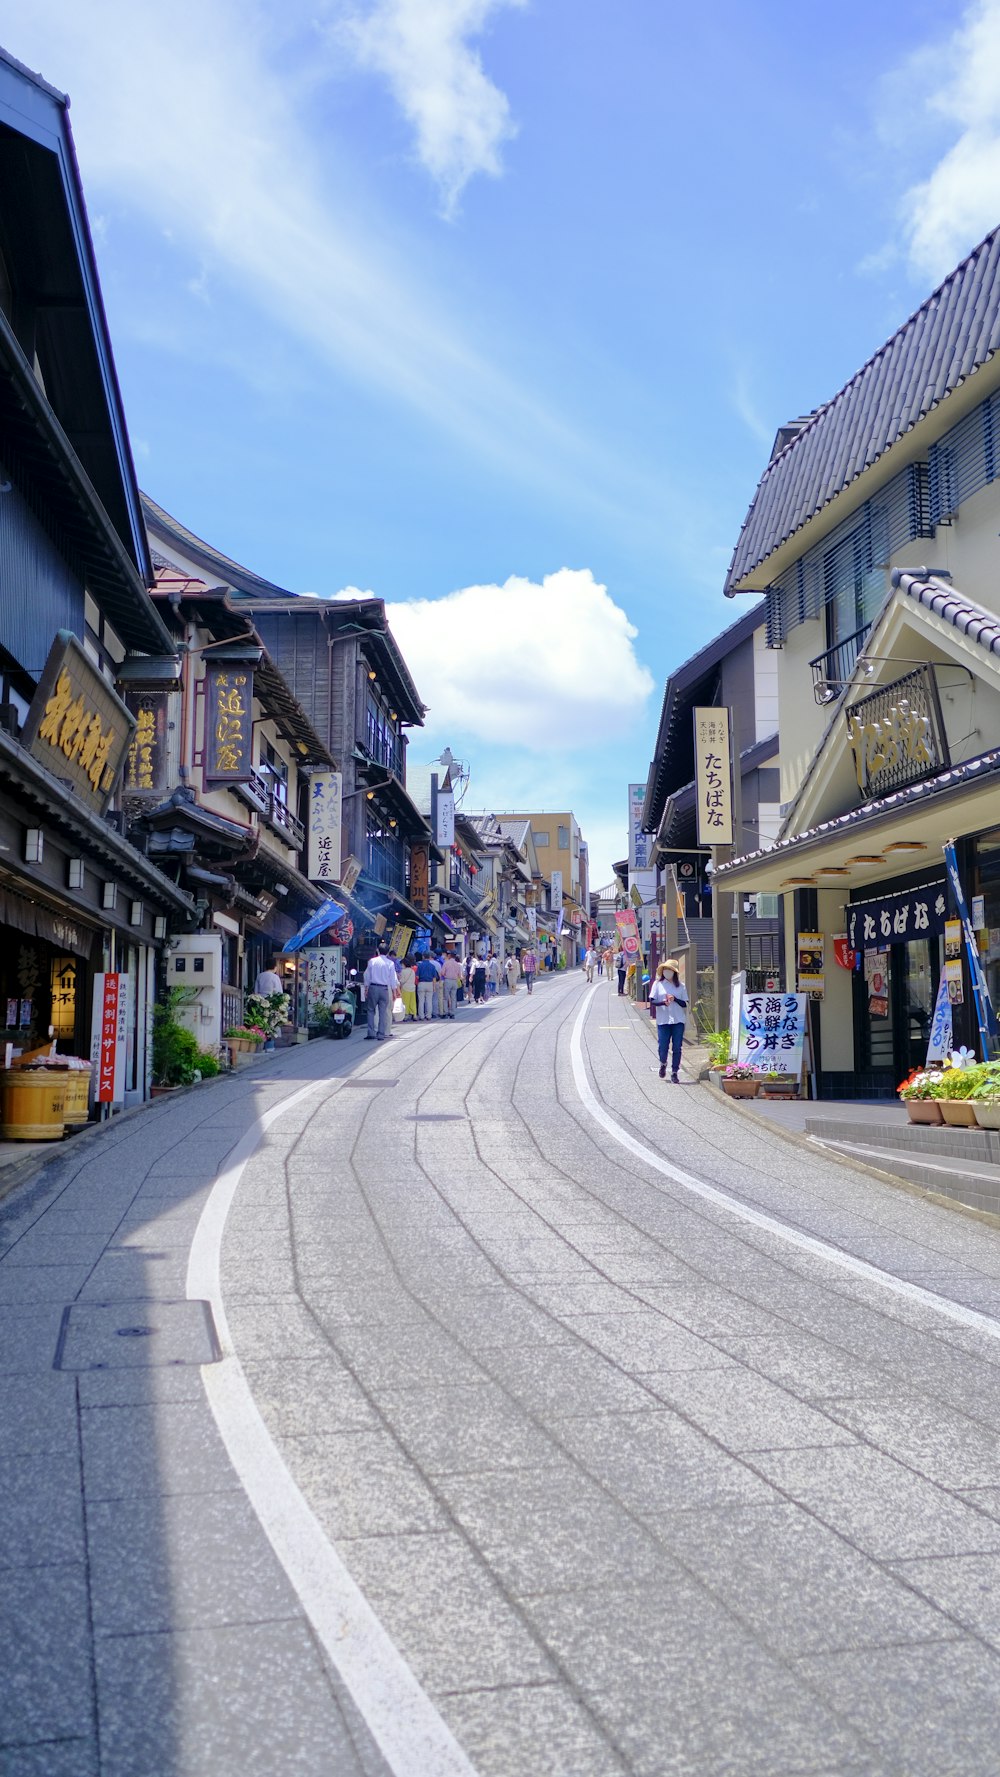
{"x": 668, "y": 998}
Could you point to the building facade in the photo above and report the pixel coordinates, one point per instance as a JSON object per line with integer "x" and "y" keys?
{"x": 77, "y": 899}
{"x": 873, "y": 536}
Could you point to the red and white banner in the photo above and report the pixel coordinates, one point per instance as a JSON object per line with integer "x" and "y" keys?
{"x": 108, "y": 1038}
{"x": 628, "y": 932}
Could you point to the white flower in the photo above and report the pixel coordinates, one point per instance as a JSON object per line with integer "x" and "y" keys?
{"x": 963, "y": 1057}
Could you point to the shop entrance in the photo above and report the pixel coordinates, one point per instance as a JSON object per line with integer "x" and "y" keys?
{"x": 897, "y": 988}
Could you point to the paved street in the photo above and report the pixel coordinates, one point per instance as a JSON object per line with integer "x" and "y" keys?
{"x": 594, "y": 1472}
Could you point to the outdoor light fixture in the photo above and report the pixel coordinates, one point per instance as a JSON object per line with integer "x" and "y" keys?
{"x": 867, "y": 857}
{"x": 799, "y": 882}
{"x": 109, "y": 896}
{"x": 34, "y": 845}
{"x": 369, "y": 795}
{"x": 906, "y": 845}
{"x": 392, "y": 823}
{"x": 280, "y": 889}
{"x": 832, "y": 870}
{"x": 135, "y": 913}
{"x": 74, "y": 873}
{"x": 371, "y": 672}
{"x": 160, "y": 926}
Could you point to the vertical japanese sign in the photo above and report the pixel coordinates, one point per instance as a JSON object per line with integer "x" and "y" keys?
{"x": 146, "y": 760}
{"x": 322, "y": 974}
{"x": 557, "y": 891}
{"x": 713, "y": 776}
{"x": 772, "y": 1031}
{"x": 444, "y": 819}
{"x": 638, "y": 841}
{"x": 420, "y": 877}
{"x": 939, "y": 1041}
{"x": 810, "y": 949}
{"x": 324, "y": 826}
{"x": 228, "y": 723}
{"x": 108, "y": 1038}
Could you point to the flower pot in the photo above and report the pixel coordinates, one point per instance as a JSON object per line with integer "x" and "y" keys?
{"x": 779, "y": 1091}
{"x": 960, "y": 1113}
{"x": 739, "y": 1088}
{"x": 987, "y": 1114}
{"x": 163, "y": 1091}
{"x": 924, "y": 1110}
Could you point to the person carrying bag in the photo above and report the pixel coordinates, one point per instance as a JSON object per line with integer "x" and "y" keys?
{"x": 668, "y": 1003}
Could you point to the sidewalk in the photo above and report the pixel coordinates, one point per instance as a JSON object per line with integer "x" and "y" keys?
{"x": 143, "y": 1615}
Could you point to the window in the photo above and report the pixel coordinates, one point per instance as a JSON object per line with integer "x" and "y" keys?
{"x": 564, "y": 839}
{"x": 274, "y": 771}
{"x": 541, "y": 838}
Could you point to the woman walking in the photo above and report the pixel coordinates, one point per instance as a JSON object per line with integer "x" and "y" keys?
{"x": 408, "y": 988}
{"x": 669, "y": 997}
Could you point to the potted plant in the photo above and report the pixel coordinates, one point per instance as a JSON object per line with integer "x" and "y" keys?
{"x": 739, "y": 1080}
{"x": 268, "y": 1011}
{"x": 718, "y": 1043}
{"x": 918, "y": 1095}
{"x": 953, "y": 1092}
{"x": 986, "y": 1096}
{"x": 177, "y": 1059}
{"x": 242, "y": 1039}
{"x": 774, "y": 1084}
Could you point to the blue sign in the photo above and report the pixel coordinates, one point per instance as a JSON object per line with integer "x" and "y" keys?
{"x": 329, "y": 914}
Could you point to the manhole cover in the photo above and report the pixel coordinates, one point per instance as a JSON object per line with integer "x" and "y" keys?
{"x": 140, "y": 1334}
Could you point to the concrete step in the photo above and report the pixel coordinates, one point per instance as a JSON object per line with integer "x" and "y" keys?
{"x": 975, "y": 1183}
{"x": 937, "y": 1141}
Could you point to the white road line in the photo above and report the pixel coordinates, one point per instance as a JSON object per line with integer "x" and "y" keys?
{"x": 758, "y": 1218}
{"x": 411, "y": 1735}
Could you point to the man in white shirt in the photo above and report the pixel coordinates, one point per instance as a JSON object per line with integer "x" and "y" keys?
{"x": 268, "y": 981}
{"x": 380, "y": 979}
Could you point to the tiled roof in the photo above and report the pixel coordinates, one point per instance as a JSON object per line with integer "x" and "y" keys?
{"x": 952, "y": 334}
{"x": 952, "y": 606}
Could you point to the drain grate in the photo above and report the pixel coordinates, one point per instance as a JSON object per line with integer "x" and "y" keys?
{"x": 139, "y": 1334}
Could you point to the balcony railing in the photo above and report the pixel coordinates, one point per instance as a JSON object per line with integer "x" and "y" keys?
{"x": 254, "y": 792}
{"x": 832, "y": 670}
{"x": 286, "y": 824}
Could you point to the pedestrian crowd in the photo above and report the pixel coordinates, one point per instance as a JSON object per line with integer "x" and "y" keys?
{"x": 431, "y": 985}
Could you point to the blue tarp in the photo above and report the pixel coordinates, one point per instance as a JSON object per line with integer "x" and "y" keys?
{"x": 328, "y": 915}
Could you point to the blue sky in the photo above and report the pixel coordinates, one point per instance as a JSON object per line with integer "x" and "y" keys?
{"x": 492, "y": 307}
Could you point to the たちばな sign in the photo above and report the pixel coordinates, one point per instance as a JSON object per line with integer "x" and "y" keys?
{"x": 713, "y": 776}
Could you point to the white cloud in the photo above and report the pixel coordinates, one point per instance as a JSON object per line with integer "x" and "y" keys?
{"x": 947, "y": 213}
{"x": 525, "y": 665}
{"x": 202, "y": 117}
{"x": 423, "y": 49}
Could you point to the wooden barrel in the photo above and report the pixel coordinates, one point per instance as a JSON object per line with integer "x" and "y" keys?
{"x": 77, "y": 1095}
{"x": 32, "y": 1103}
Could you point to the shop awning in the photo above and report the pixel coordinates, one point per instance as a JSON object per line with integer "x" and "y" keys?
{"x": 897, "y": 832}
